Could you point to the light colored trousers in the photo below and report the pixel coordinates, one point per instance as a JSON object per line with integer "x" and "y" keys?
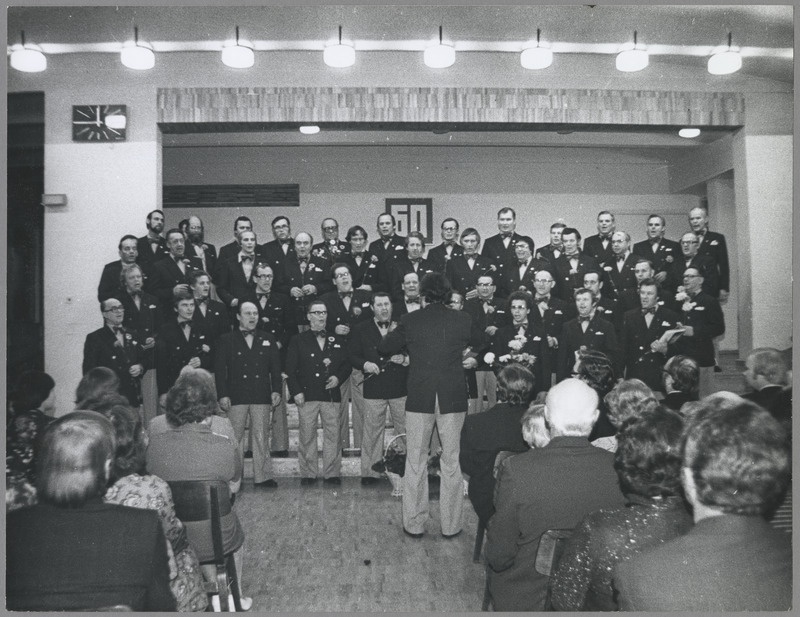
{"x": 419, "y": 427}
{"x": 260, "y": 425}
{"x": 280, "y": 423}
{"x": 307, "y": 453}
{"x": 374, "y": 426}
{"x": 487, "y": 382}
{"x": 353, "y": 388}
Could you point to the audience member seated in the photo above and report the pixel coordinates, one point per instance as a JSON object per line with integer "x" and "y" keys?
{"x": 71, "y": 551}
{"x": 192, "y": 451}
{"x": 736, "y": 468}
{"x": 766, "y": 373}
{"x": 534, "y": 432}
{"x": 595, "y": 369}
{"x": 130, "y": 486}
{"x": 648, "y": 465}
{"x": 628, "y": 400}
{"x": 32, "y": 408}
{"x": 486, "y": 434}
{"x": 95, "y": 385}
{"x": 552, "y": 487}
{"x": 681, "y": 381}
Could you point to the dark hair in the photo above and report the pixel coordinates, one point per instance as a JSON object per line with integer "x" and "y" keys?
{"x": 172, "y": 231}
{"x": 127, "y": 237}
{"x": 448, "y": 220}
{"x": 390, "y": 215}
{"x": 71, "y": 468}
{"x": 524, "y": 240}
{"x": 558, "y": 226}
{"x": 243, "y": 218}
{"x": 97, "y": 381}
{"x": 184, "y": 224}
{"x": 515, "y": 384}
{"x": 129, "y": 454}
{"x": 192, "y": 399}
{"x": 451, "y": 295}
{"x": 354, "y": 230}
{"x": 378, "y": 294}
{"x": 657, "y": 216}
{"x": 505, "y": 210}
{"x": 470, "y": 231}
{"x": 571, "y": 230}
{"x": 31, "y": 390}
{"x": 602, "y": 212}
{"x": 584, "y": 290}
{"x": 648, "y": 456}
{"x": 152, "y": 212}
{"x": 196, "y": 274}
{"x": 627, "y": 400}
{"x": 415, "y": 234}
{"x": 640, "y": 260}
{"x": 520, "y": 295}
{"x": 181, "y": 294}
{"x": 649, "y": 282}
{"x": 739, "y": 458}
{"x": 338, "y": 265}
{"x": 685, "y": 373}
{"x": 434, "y": 287}
{"x": 595, "y": 370}
{"x": 101, "y": 402}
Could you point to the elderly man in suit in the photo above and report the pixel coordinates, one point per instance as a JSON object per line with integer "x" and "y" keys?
{"x": 436, "y": 338}
{"x": 588, "y": 331}
{"x": 661, "y": 251}
{"x": 643, "y": 350}
{"x": 713, "y": 245}
{"x": 331, "y": 248}
{"x": 438, "y": 256}
{"x": 552, "y": 487}
{"x": 305, "y": 278}
{"x": 384, "y": 382}
{"x": 231, "y": 250}
{"x": 766, "y": 373}
{"x": 118, "y": 348}
{"x": 110, "y": 279}
{"x": 316, "y": 365}
{"x": 500, "y": 247}
{"x": 702, "y": 318}
{"x": 572, "y": 265}
{"x": 732, "y": 560}
{"x": 247, "y": 370}
{"x": 171, "y": 274}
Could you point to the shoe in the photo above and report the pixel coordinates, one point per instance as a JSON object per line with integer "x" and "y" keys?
{"x": 245, "y": 602}
{"x": 266, "y": 484}
{"x": 335, "y": 480}
{"x": 307, "y": 481}
{"x": 416, "y": 536}
{"x": 280, "y": 454}
{"x": 717, "y": 368}
{"x": 248, "y": 454}
{"x": 369, "y": 481}
{"x": 452, "y": 535}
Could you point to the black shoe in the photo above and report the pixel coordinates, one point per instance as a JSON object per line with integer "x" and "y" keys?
{"x": 335, "y": 480}
{"x": 248, "y": 454}
{"x": 452, "y": 535}
{"x": 717, "y": 368}
{"x": 416, "y": 536}
{"x": 369, "y": 481}
{"x": 307, "y": 481}
{"x": 280, "y": 454}
{"x": 266, "y": 484}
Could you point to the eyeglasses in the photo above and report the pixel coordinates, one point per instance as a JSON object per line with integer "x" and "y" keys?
{"x": 283, "y": 226}
{"x": 114, "y": 309}
{"x": 330, "y": 228}
{"x": 689, "y": 242}
{"x": 318, "y": 313}
{"x": 484, "y": 284}
{"x": 264, "y": 276}
{"x": 449, "y": 228}
{"x": 691, "y": 276}
{"x": 342, "y": 275}
{"x": 542, "y": 280}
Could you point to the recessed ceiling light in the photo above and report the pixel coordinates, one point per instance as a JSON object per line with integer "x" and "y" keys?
{"x": 339, "y": 55}
{"x": 725, "y": 61}
{"x": 28, "y": 58}
{"x": 536, "y": 57}
{"x": 309, "y": 130}
{"x": 632, "y": 58}
{"x": 238, "y": 56}
{"x": 439, "y": 56}
{"x": 136, "y": 55}
{"x": 689, "y": 133}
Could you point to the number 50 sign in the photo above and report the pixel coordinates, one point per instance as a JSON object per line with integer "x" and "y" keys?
{"x": 412, "y": 214}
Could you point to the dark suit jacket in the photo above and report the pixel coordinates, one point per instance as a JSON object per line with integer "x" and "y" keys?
{"x": 248, "y": 375}
{"x": 723, "y": 564}
{"x": 231, "y": 282}
{"x": 557, "y": 314}
{"x": 544, "y": 488}
{"x": 400, "y": 266}
{"x": 399, "y": 309}
{"x": 216, "y": 321}
{"x": 668, "y": 252}
{"x": 338, "y": 315}
{"x": 464, "y": 279}
{"x": 546, "y": 253}
{"x": 708, "y": 322}
{"x": 210, "y": 254}
{"x": 318, "y": 273}
{"x": 715, "y": 247}
{"x": 365, "y": 273}
{"x": 640, "y": 362}
{"x": 707, "y": 268}
{"x": 272, "y": 253}
{"x": 306, "y": 370}
{"x": 495, "y": 250}
{"x": 436, "y": 338}
{"x": 277, "y": 317}
{"x": 616, "y": 281}
{"x": 599, "y": 336}
{"x": 483, "y": 436}
{"x": 437, "y": 256}
{"x": 110, "y": 284}
{"x": 593, "y": 246}
{"x": 330, "y": 252}
{"x": 173, "y": 352}
{"x": 481, "y": 320}
{"x": 81, "y": 558}
{"x": 362, "y": 348}
{"x": 229, "y": 250}
{"x": 145, "y": 320}
{"x": 146, "y": 256}
{"x": 566, "y": 281}
{"x": 613, "y": 310}
{"x": 513, "y": 282}
{"x": 165, "y": 275}
{"x": 101, "y": 349}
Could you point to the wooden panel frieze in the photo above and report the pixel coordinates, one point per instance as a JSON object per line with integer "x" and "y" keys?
{"x": 495, "y": 105}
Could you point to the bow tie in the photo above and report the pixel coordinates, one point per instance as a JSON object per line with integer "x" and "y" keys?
{"x": 201, "y": 300}
{"x": 416, "y": 260}
{"x": 651, "y": 310}
{"x": 655, "y": 240}
{"x": 302, "y": 260}
{"x": 383, "y": 324}
{"x": 411, "y": 301}
{"x": 544, "y": 299}
{"x": 523, "y": 263}
{"x": 259, "y": 296}
{"x": 700, "y": 234}
{"x": 605, "y": 237}
{"x": 359, "y": 254}
{"x": 154, "y": 240}
{"x": 135, "y": 294}
{"x": 345, "y": 294}
{"x": 587, "y": 318}
{"x": 117, "y": 329}
{"x": 524, "y": 326}
{"x": 489, "y": 302}
{"x": 620, "y": 258}
{"x": 320, "y": 334}
{"x": 177, "y": 258}
{"x": 507, "y": 235}
{"x": 449, "y": 243}
{"x": 185, "y": 324}
{"x": 246, "y": 258}
{"x": 246, "y": 332}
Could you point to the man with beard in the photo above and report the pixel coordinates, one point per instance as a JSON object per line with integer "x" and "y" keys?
{"x": 152, "y": 247}
{"x": 438, "y": 256}
{"x": 661, "y": 252}
{"x": 411, "y": 261}
{"x": 109, "y": 280}
{"x": 331, "y": 248}
{"x": 197, "y": 246}
{"x": 171, "y": 274}
{"x": 242, "y": 223}
{"x": 599, "y": 245}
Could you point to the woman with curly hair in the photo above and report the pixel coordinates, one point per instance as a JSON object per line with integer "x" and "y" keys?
{"x": 131, "y": 486}
{"x": 648, "y": 465}
{"x": 596, "y": 370}
{"x": 97, "y": 384}
{"x": 626, "y": 401}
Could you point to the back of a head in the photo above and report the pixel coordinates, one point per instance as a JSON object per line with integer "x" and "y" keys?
{"x": 192, "y": 399}
{"x": 629, "y": 399}
{"x": 738, "y": 456}
{"x": 534, "y": 427}
{"x": 129, "y": 454}
{"x": 685, "y": 373}
{"x": 596, "y": 370}
{"x": 769, "y": 363}
{"x": 102, "y": 402}
{"x": 648, "y": 455}
{"x": 94, "y": 383}
{"x": 571, "y": 408}
{"x": 74, "y": 459}
{"x": 31, "y": 390}
{"x": 434, "y": 287}
{"x": 515, "y": 384}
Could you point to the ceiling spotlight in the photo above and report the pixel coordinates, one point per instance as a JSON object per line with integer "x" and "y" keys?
{"x": 632, "y": 58}
{"x": 238, "y": 56}
{"x": 440, "y": 56}
{"x": 725, "y": 62}
{"x": 537, "y": 57}
{"x": 309, "y": 130}
{"x": 339, "y": 56}
{"x": 689, "y": 133}
{"x": 28, "y": 58}
{"x": 136, "y": 55}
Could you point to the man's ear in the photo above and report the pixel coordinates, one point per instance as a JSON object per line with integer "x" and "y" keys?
{"x": 108, "y": 464}
{"x": 689, "y": 487}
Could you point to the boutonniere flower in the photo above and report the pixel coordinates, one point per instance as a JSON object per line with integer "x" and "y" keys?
{"x": 505, "y": 358}
{"x": 688, "y": 306}
{"x": 206, "y": 348}
{"x": 331, "y": 339}
{"x": 128, "y": 336}
{"x": 489, "y": 358}
{"x": 681, "y": 295}
{"x": 373, "y": 258}
{"x": 317, "y": 252}
{"x": 326, "y": 362}
{"x": 265, "y": 343}
{"x": 607, "y": 268}
{"x": 356, "y": 311}
{"x": 152, "y": 306}
{"x": 670, "y": 259}
{"x": 515, "y": 344}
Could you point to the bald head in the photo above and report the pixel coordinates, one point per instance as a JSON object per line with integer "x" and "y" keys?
{"x": 571, "y": 408}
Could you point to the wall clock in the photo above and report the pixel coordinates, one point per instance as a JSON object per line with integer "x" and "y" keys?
{"x": 99, "y": 122}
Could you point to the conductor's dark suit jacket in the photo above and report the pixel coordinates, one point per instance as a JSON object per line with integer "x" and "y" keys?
{"x": 640, "y": 362}
{"x": 101, "y": 348}
{"x": 436, "y": 338}
{"x": 83, "y": 558}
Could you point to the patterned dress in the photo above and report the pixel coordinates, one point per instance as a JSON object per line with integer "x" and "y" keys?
{"x": 152, "y": 493}
{"x": 23, "y": 433}
{"x": 583, "y": 578}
